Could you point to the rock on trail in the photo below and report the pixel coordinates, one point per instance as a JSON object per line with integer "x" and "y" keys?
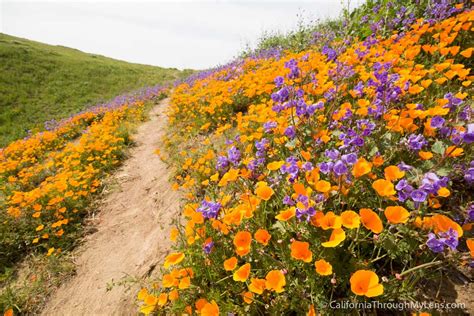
{"x": 132, "y": 232}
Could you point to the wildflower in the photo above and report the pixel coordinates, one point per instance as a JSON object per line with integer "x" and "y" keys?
{"x": 337, "y": 236}
{"x": 242, "y": 242}
{"x": 210, "y": 309}
{"x": 209, "y": 209}
{"x": 396, "y": 214}
{"x": 257, "y": 286}
{"x": 173, "y": 259}
{"x": 262, "y": 236}
{"x": 437, "y": 121}
{"x": 263, "y": 191}
{"x": 300, "y": 251}
{"x": 393, "y": 173}
{"x": 365, "y": 282}
{"x": 371, "y": 220}
{"x": 242, "y": 273}
{"x": 275, "y": 281}
{"x": 350, "y": 219}
{"x": 230, "y": 264}
{"x": 383, "y": 187}
{"x": 361, "y": 167}
{"x": 449, "y": 238}
{"x": 323, "y": 267}
{"x": 418, "y": 196}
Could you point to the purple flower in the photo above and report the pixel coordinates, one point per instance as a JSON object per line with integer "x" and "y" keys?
{"x": 209, "y": 209}
{"x": 349, "y": 159}
{"x": 416, "y": 142}
{"x": 288, "y": 201}
{"x": 325, "y": 167}
{"x": 279, "y": 81}
{"x": 469, "y": 175}
{"x": 307, "y": 213}
{"x": 437, "y": 121}
{"x": 468, "y": 136}
{"x": 332, "y": 154}
{"x": 290, "y": 132}
{"x": 268, "y": 126}
{"x": 339, "y": 168}
{"x": 418, "y": 195}
{"x": 234, "y": 155}
{"x": 208, "y": 247}
{"x": 222, "y": 162}
{"x": 434, "y": 244}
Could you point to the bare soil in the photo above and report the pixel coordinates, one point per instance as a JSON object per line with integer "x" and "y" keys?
{"x": 131, "y": 232}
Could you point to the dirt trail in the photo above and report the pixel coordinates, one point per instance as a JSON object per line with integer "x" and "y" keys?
{"x": 132, "y": 232}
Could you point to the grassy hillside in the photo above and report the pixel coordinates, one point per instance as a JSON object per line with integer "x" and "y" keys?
{"x": 40, "y": 82}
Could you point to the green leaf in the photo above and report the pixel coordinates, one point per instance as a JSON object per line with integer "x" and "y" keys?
{"x": 438, "y": 147}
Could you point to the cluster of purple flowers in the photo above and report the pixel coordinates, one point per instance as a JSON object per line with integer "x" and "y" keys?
{"x": 261, "y": 147}
{"x": 469, "y": 174}
{"x": 307, "y": 212}
{"x": 438, "y": 243}
{"x": 415, "y": 142}
{"x": 233, "y": 157}
{"x": 338, "y": 164}
{"x": 209, "y": 209}
{"x": 430, "y": 184}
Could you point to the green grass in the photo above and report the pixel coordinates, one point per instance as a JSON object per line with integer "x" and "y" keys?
{"x": 40, "y": 82}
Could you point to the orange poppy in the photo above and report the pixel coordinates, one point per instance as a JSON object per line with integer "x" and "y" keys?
{"x": 286, "y": 214}
{"x": 262, "y": 236}
{"x": 230, "y": 264}
{"x": 350, "y": 219}
{"x": 361, "y": 167}
{"x": 242, "y": 273}
{"x": 210, "y": 309}
{"x": 330, "y": 221}
{"x": 275, "y": 281}
{"x": 242, "y": 242}
{"x": 323, "y": 267}
{"x": 371, "y": 220}
{"x": 337, "y": 236}
{"x": 470, "y": 245}
{"x": 257, "y": 286}
{"x": 442, "y": 223}
{"x": 248, "y": 297}
{"x": 393, "y": 173}
{"x": 323, "y": 186}
{"x": 384, "y": 187}
{"x": 396, "y": 214}
{"x": 300, "y": 251}
{"x": 365, "y": 282}
{"x": 263, "y": 191}
{"x": 173, "y": 258}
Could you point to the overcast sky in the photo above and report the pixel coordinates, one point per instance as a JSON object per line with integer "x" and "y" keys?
{"x": 183, "y": 34}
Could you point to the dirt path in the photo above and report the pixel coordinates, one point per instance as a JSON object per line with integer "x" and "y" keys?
{"x": 132, "y": 232}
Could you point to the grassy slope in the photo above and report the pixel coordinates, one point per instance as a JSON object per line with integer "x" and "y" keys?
{"x": 39, "y": 82}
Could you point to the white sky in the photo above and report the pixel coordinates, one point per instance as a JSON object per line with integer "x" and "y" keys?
{"x": 182, "y": 34}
